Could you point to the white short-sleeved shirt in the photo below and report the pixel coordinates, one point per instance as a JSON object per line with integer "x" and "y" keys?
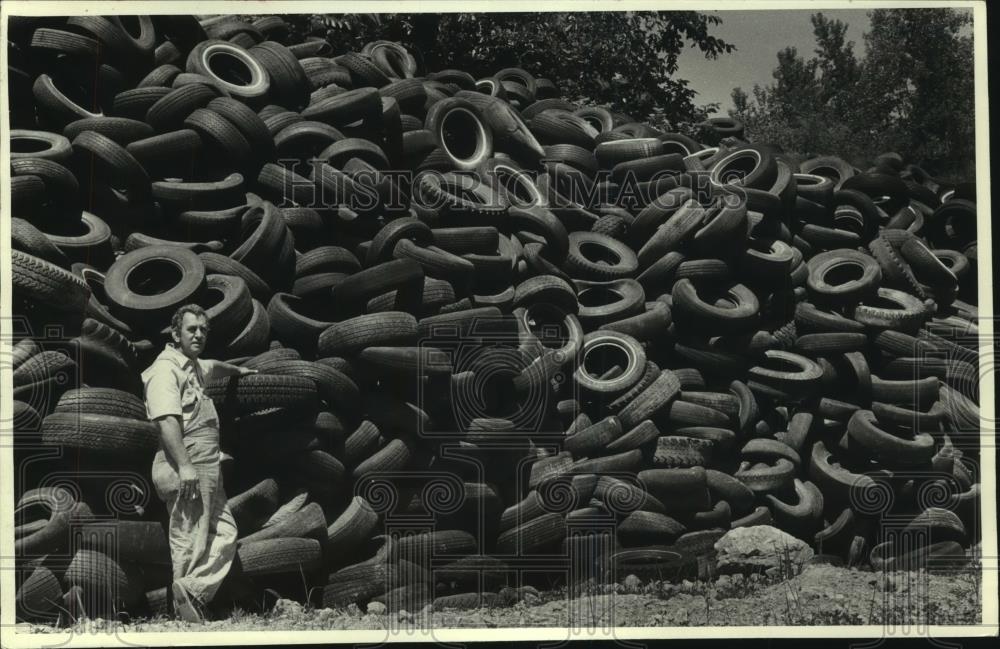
{"x": 174, "y": 385}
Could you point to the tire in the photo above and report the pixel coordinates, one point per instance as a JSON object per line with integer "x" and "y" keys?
{"x": 145, "y": 309}
{"x": 612, "y": 153}
{"x": 27, "y": 194}
{"x": 810, "y": 319}
{"x": 599, "y": 118}
{"x": 249, "y": 124}
{"x": 253, "y": 507}
{"x": 38, "y": 595}
{"x": 630, "y": 301}
{"x": 616, "y": 260}
{"x": 293, "y": 324}
{"x": 334, "y": 387}
{"x": 647, "y": 169}
{"x": 55, "y": 108}
{"x": 452, "y": 113}
{"x": 724, "y": 487}
{"x": 289, "y": 85}
{"x": 230, "y": 315}
{"x": 353, "y": 293}
{"x": 53, "y": 536}
{"x": 345, "y": 108}
{"x": 910, "y": 315}
{"x": 704, "y": 272}
{"x": 384, "y": 243}
{"x": 852, "y": 291}
{"x": 660, "y": 393}
{"x": 253, "y": 393}
{"x": 268, "y": 250}
{"x": 61, "y": 186}
{"x": 830, "y": 343}
{"x": 167, "y": 154}
{"x": 480, "y": 240}
{"x": 25, "y": 144}
{"x": 394, "y": 456}
{"x": 326, "y": 259}
{"x": 680, "y": 225}
{"x": 339, "y": 153}
{"x": 30, "y": 240}
{"x": 679, "y": 490}
{"x": 360, "y": 582}
{"x": 176, "y": 197}
{"x": 590, "y": 380}
{"x": 562, "y": 128}
{"x": 161, "y": 76}
{"x": 97, "y": 573}
{"x": 919, "y": 392}
{"x": 642, "y": 528}
{"x": 804, "y": 381}
{"x": 436, "y": 263}
{"x": 169, "y": 111}
{"x": 102, "y": 401}
{"x": 767, "y": 480}
{"x": 129, "y": 52}
{"x": 578, "y": 157}
{"x": 348, "y": 533}
{"x": 680, "y": 452}
{"x": 93, "y": 246}
{"x": 828, "y": 167}
{"x": 48, "y": 284}
{"x": 351, "y": 336}
{"x": 224, "y": 138}
{"x": 364, "y": 72}
{"x": 279, "y": 556}
{"x": 115, "y": 436}
{"x": 308, "y": 522}
{"x": 212, "y": 224}
{"x": 362, "y": 443}
{"x": 532, "y": 537}
{"x": 692, "y": 313}
{"x": 939, "y": 556}
{"x": 594, "y": 438}
{"x": 132, "y": 542}
{"x": 120, "y": 130}
{"x": 220, "y": 264}
{"x": 256, "y": 84}
{"x": 655, "y": 563}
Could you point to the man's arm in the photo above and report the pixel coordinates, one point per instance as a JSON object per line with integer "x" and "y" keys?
{"x": 220, "y": 369}
{"x": 173, "y": 446}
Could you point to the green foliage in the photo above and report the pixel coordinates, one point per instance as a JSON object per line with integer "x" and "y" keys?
{"x": 626, "y": 61}
{"x": 912, "y": 93}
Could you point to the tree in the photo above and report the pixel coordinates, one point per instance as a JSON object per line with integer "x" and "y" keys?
{"x": 919, "y": 78}
{"x": 626, "y": 61}
{"x": 912, "y": 92}
{"x": 835, "y": 61}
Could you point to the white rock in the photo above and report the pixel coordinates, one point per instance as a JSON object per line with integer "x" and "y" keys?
{"x": 759, "y": 548}
{"x": 287, "y": 607}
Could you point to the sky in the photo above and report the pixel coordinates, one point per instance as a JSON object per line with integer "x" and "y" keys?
{"x": 758, "y": 35}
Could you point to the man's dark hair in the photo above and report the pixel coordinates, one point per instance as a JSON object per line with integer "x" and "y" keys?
{"x": 175, "y": 322}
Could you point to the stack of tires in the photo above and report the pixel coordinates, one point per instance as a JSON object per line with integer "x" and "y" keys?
{"x": 502, "y": 338}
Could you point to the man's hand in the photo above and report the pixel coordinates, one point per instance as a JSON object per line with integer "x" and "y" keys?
{"x": 244, "y": 371}
{"x": 189, "y": 487}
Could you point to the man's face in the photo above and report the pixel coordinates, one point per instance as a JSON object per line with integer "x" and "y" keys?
{"x": 193, "y": 335}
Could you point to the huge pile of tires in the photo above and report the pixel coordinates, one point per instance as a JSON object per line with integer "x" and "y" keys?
{"x": 563, "y": 345}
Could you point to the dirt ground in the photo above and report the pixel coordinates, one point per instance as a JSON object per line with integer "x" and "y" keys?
{"x": 820, "y": 595}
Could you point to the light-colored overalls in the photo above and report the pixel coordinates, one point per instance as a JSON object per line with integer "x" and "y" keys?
{"x": 202, "y": 531}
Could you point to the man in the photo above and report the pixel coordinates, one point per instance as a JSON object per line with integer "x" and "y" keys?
{"x": 186, "y": 470}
